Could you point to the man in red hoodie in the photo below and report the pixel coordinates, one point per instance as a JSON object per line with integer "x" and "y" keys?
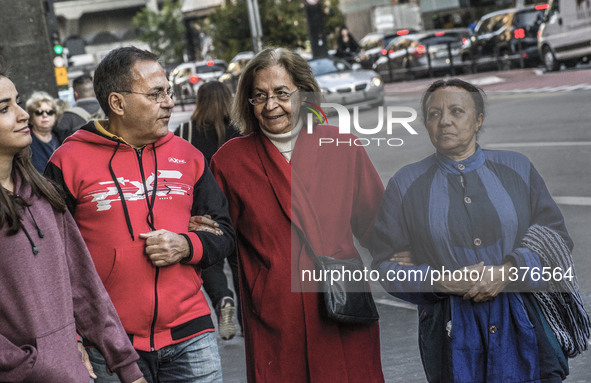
{"x": 132, "y": 187}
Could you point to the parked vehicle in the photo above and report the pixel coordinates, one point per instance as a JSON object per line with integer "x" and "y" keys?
{"x": 187, "y": 77}
{"x": 565, "y": 35}
{"x": 422, "y": 54}
{"x": 374, "y": 44}
{"x": 232, "y": 74}
{"x": 341, "y": 84}
{"x": 504, "y": 39}
{"x": 405, "y": 15}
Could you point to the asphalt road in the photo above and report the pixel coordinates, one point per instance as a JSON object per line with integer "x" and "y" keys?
{"x": 544, "y": 116}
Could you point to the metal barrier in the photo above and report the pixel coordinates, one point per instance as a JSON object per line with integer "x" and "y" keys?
{"x": 408, "y": 69}
{"x": 500, "y": 60}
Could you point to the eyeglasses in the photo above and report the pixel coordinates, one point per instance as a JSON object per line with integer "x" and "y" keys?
{"x": 158, "y": 97}
{"x": 40, "y": 112}
{"x": 261, "y": 98}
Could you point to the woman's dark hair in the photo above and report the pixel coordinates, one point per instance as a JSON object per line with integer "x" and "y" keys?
{"x": 10, "y": 204}
{"x": 114, "y": 73}
{"x": 476, "y": 93}
{"x": 214, "y": 102}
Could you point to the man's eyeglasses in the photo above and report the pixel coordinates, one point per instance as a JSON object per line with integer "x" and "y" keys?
{"x": 158, "y": 97}
{"x": 261, "y": 98}
{"x": 40, "y": 112}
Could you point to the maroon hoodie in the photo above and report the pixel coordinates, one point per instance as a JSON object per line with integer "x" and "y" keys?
{"x": 49, "y": 288}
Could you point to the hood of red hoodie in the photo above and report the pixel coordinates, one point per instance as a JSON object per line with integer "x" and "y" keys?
{"x": 90, "y": 133}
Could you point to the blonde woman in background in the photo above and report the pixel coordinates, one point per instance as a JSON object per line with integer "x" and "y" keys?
{"x": 43, "y": 111}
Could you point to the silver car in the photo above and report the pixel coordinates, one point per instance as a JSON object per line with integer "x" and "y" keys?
{"x": 341, "y": 84}
{"x": 186, "y": 78}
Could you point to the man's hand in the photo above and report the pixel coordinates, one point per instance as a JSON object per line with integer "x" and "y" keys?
{"x": 86, "y": 361}
{"x": 204, "y": 223}
{"x": 140, "y": 380}
{"x": 165, "y": 248}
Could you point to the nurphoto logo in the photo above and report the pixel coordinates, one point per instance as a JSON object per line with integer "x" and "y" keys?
{"x": 391, "y": 115}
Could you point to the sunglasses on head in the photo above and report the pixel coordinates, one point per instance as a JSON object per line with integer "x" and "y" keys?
{"x": 39, "y": 112}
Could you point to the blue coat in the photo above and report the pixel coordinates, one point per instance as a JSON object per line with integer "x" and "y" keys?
{"x": 454, "y": 214}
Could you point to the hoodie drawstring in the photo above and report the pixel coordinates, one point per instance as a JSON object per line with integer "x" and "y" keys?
{"x": 151, "y": 202}
{"x": 121, "y": 195}
{"x": 34, "y": 247}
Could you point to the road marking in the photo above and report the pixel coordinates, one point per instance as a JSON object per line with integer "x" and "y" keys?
{"x": 571, "y": 200}
{"x": 487, "y": 80}
{"x": 537, "y": 144}
{"x": 396, "y": 303}
{"x": 548, "y": 89}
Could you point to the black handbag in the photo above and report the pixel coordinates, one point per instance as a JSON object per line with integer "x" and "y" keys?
{"x": 347, "y": 300}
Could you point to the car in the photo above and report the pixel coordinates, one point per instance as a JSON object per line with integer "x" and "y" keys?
{"x": 232, "y": 74}
{"x": 504, "y": 39}
{"x": 187, "y": 77}
{"x": 565, "y": 35}
{"x": 340, "y": 84}
{"x": 422, "y": 54}
{"x": 373, "y": 45}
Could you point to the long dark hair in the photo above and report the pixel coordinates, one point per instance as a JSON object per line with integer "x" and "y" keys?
{"x": 11, "y": 204}
{"x": 214, "y": 103}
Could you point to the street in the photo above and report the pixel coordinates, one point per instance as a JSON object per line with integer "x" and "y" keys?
{"x": 544, "y": 116}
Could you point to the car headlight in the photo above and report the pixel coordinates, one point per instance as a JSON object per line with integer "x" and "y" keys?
{"x": 376, "y": 82}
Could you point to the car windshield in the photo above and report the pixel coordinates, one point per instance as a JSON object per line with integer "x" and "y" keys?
{"x": 370, "y": 42}
{"x": 525, "y": 19}
{"x": 321, "y": 67}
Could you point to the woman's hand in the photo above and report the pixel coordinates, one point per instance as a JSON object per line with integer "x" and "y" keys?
{"x": 491, "y": 284}
{"x": 451, "y": 284}
{"x": 204, "y": 223}
{"x": 86, "y": 360}
{"x": 403, "y": 258}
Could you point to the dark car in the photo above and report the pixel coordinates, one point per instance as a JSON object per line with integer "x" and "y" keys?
{"x": 504, "y": 39}
{"x": 373, "y": 45}
{"x": 421, "y": 54}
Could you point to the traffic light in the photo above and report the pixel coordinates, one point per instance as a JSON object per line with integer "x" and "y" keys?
{"x": 59, "y": 61}
{"x": 58, "y": 49}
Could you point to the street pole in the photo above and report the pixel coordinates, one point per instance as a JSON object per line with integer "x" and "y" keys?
{"x": 256, "y": 31}
{"x": 316, "y": 32}
{"x": 152, "y": 5}
{"x": 25, "y": 45}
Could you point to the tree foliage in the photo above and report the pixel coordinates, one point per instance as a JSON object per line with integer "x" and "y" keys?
{"x": 163, "y": 31}
{"x": 283, "y": 23}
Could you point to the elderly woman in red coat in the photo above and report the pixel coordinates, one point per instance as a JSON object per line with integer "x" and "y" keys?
{"x": 288, "y": 335}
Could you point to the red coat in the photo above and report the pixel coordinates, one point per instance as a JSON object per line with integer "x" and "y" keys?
{"x": 288, "y": 336}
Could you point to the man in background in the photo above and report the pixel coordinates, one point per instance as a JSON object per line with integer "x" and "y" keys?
{"x": 86, "y": 108}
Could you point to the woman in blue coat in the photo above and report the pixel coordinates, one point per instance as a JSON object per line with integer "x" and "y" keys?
{"x": 468, "y": 210}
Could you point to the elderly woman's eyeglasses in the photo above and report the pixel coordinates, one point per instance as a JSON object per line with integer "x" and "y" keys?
{"x": 40, "y": 112}
{"x": 158, "y": 97}
{"x": 261, "y": 98}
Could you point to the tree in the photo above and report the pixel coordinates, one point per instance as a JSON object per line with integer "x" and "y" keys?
{"x": 163, "y": 30}
{"x": 283, "y": 22}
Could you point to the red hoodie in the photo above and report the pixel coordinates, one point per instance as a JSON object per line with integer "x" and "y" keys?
{"x": 158, "y": 306}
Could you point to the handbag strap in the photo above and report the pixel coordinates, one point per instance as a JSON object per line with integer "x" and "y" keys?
{"x": 305, "y": 240}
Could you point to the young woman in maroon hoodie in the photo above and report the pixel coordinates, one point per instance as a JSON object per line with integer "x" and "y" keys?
{"x": 49, "y": 288}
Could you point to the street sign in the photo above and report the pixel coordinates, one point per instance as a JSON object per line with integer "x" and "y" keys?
{"x": 61, "y": 76}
